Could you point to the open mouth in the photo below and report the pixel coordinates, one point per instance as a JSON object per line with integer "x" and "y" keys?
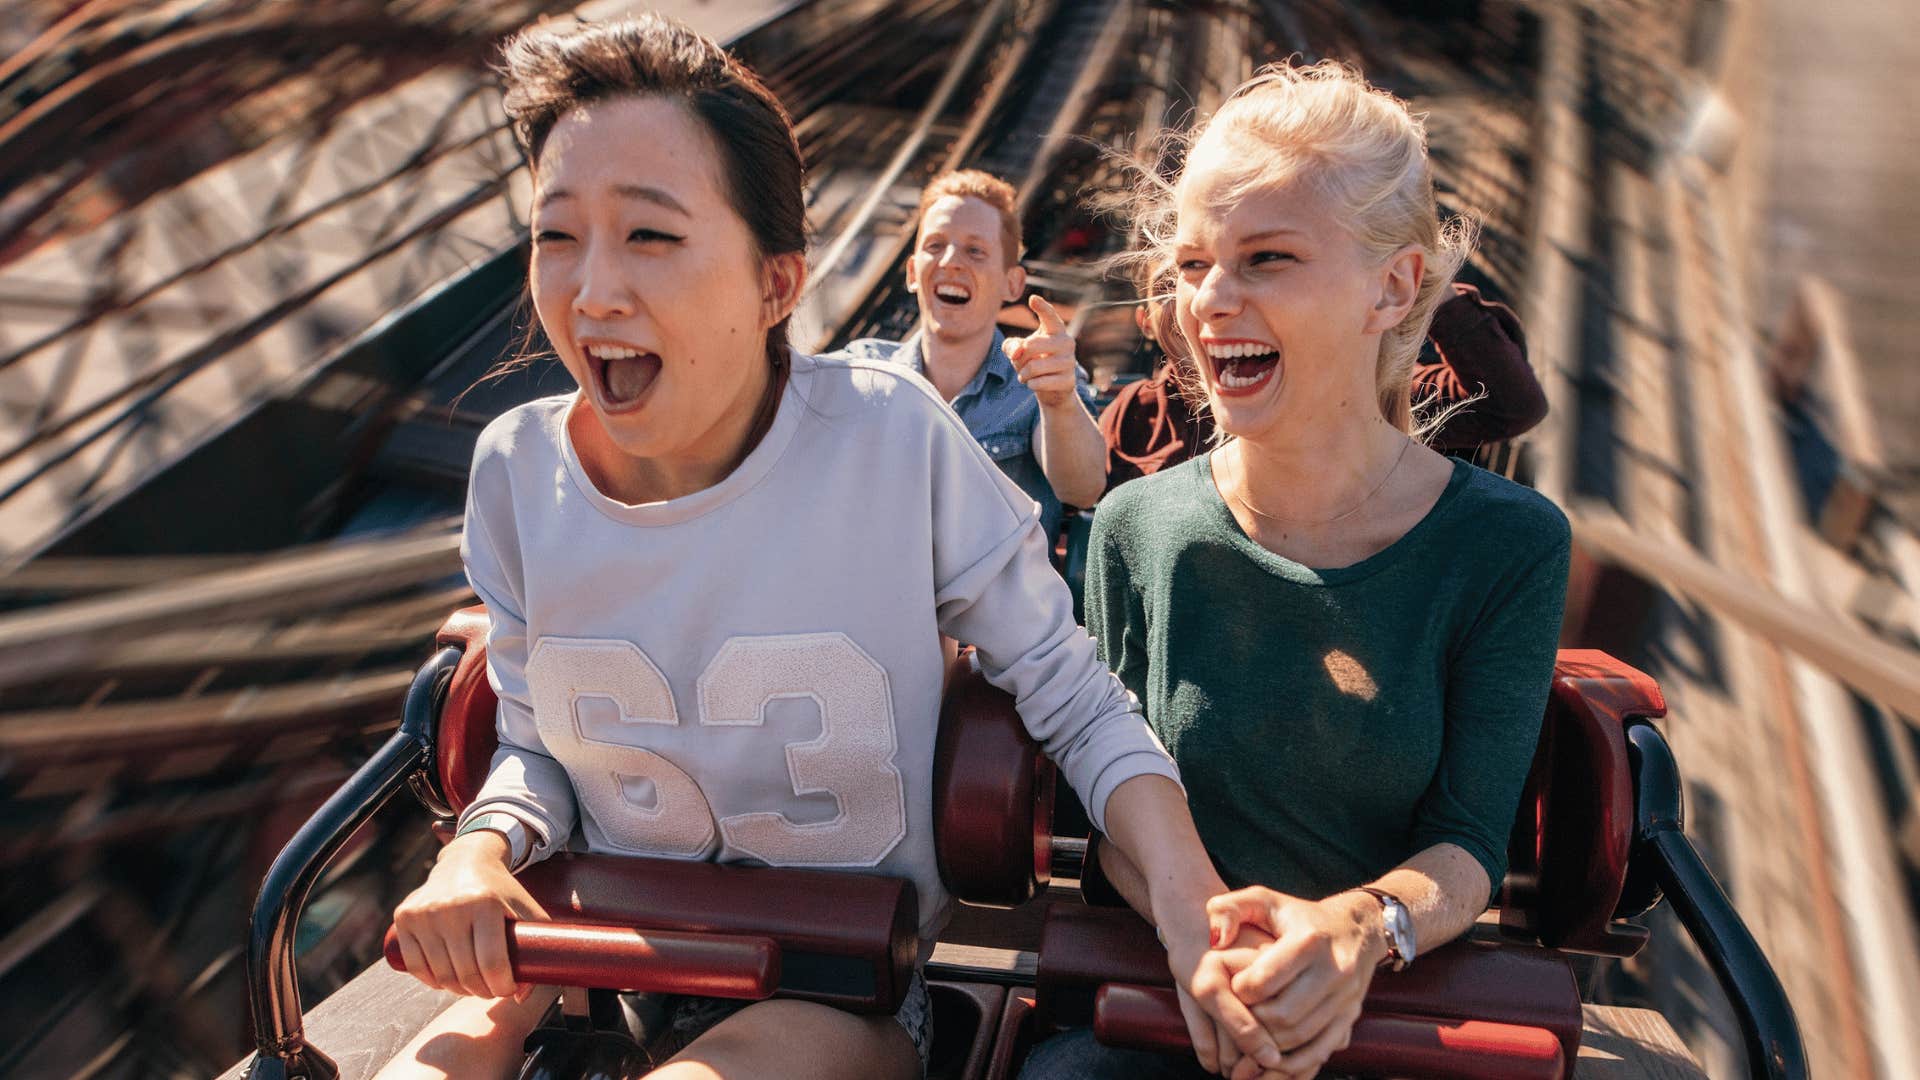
{"x": 958, "y": 295}
{"x": 1243, "y": 367}
{"x": 622, "y": 375}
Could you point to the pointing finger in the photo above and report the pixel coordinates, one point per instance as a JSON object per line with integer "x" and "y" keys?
{"x": 1050, "y": 320}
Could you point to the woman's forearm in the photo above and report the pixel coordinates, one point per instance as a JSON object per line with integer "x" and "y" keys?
{"x": 1170, "y": 879}
{"x": 1156, "y": 859}
{"x": 1125, "y": 877}
{"x": 1444, "y": 890}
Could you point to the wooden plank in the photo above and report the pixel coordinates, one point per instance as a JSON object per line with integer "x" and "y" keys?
{"x": 1631, "y": 1044}
{"x": 980, "y": 962}
{"x": 72, "y": 636}
{"x": 33, "y": 933}
{"x": 1878, "y": 670}
{"x": 1817, "y": 323}
{"x": 1903, "y": 555}
{"x": 367, "y": 1021}
{"x": 115, "y": 730}
{"x": 377, "y": 628}
{"x": 1558, "y": 239}
{"x": 1851, "y": 590}
{"x": 79, "y": 574}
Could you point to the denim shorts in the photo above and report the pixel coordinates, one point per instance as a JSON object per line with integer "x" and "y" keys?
{"x": 688, "y": 1018}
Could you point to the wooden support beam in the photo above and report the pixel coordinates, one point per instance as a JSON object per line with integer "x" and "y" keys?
{"x": 256, "y": 713}
{"x": 1879, "y": 671}
{"x": 73, "y": 636}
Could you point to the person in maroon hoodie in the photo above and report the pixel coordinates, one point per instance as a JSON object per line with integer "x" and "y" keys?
{"x": 1473, "y": 377}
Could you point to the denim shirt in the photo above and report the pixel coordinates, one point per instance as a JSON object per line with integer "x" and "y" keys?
{"x": 999, "y": 411}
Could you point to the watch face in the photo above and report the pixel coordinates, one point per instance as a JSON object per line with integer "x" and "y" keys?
{"x": 1400, "y": 927}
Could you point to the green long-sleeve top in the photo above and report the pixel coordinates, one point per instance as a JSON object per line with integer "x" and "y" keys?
{"x": 1329, "y": 724}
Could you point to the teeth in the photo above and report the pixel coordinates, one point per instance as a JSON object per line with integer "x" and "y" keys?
{"x": 1238, "y": 350}
{"x": 953, "y": 296}
{"x": 1238, "y": 382}
{"x": 611, "y": 352}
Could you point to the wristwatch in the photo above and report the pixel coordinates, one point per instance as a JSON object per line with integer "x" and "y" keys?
{"x": 1396, "y": 922}
{"x": 519, "y": 841}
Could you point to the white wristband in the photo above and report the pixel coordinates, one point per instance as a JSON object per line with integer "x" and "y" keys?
{"x": 519, "y": 842}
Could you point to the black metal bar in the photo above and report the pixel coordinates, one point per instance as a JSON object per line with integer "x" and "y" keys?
{"x": 273, "y": 991}
{"x": 1767, "y": 1023}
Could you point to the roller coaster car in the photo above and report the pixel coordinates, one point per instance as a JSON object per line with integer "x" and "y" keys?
{"x": 1598, "y": 839}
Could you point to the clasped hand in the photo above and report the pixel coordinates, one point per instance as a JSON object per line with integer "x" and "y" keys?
{"x": 1299, "y": 969}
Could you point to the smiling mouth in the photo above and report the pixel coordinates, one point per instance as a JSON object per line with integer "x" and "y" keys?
{"x": 1242, "y": 367}
{"x": 622, "y": 376}
{"x": 953, "y": 294}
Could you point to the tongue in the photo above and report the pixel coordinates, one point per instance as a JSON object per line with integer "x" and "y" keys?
{"x": 629, "y": 377}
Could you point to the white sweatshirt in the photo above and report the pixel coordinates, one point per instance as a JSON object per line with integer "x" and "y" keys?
{"x": 753, "y": 672}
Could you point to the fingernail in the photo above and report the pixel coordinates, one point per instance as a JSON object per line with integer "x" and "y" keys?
{"x": 1269, "y": 1057}
{"x": 1213, "y": 937}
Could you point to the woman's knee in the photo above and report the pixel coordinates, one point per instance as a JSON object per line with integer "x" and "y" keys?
{"x": 473, "y": 1037}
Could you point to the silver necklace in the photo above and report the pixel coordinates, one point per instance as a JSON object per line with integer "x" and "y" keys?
{"x": 1241, "y": 496}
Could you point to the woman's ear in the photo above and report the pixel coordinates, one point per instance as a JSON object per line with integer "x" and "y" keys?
{"x": 784, "y": 278}
{"x": 1400, "y": 277}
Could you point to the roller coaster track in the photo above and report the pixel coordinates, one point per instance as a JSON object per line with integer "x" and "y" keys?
{"x": 1706, "y": 565}
{"x": 173, "y": 695}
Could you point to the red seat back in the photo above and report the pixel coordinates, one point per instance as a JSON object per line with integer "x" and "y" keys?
{"x": 992, "y": 794}
{"x": 1567, "y": 861}
{"x": 465, "y": 735}
{"x": 992, "y": 786}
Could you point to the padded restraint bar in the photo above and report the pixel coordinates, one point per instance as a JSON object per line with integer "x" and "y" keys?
{"x": 617, "y": 958}
{"x": 1417, "y": 1048}
{"x": 1085, "y": 949}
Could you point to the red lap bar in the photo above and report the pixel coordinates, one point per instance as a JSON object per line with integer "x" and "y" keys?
{"x": 1148, "y": 1018}
{"x": 656, "y": 961}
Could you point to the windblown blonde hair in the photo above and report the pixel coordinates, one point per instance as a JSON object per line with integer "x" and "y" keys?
{"x": 1361, "y": 147}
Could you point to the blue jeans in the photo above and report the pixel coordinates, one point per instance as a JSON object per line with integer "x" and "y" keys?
{"x": 1075, "y": 1055}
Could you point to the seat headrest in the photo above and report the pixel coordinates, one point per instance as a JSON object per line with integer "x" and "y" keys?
{"x": 992, "y": 794}
{"x": 1573, "y": 835}
{"x": 465, "y": 735}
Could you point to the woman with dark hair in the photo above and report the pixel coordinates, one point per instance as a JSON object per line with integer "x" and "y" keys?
{"x": 719, "y": 573}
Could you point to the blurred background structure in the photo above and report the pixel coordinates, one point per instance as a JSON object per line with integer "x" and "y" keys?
{"x": 254, "y": 257}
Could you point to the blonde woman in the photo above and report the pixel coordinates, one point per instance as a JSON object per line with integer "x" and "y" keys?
{"x": 1344, "y": 638}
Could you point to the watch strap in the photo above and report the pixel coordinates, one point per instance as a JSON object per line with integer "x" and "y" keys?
{"x": 1397, "y": 958}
